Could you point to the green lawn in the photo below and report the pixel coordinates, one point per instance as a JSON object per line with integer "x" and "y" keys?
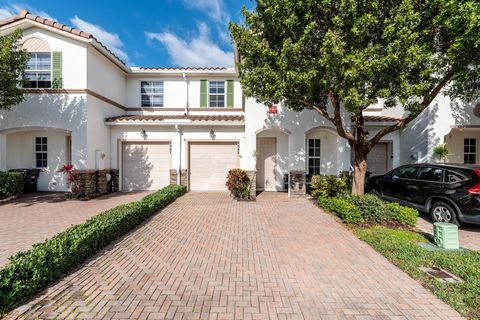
{"x": 399, "y": 246}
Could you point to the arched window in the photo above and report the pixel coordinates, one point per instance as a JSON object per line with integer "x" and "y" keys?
{"x": 39, "y": 67}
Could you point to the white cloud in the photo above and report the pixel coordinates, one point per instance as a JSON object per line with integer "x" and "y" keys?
{"x": 13, "y": 9}
{"x": 199, "y": 51}
{"x": 110, "y": 40}
{"x": 215, "y": 9}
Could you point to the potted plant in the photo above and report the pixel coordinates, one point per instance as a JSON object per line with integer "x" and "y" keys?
{"x": 441, "y": 152}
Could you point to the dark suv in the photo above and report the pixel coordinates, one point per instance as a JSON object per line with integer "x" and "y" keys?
{"x": 449, "y": 192}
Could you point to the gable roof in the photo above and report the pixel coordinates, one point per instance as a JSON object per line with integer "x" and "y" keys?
{"x": 25, "y": 15}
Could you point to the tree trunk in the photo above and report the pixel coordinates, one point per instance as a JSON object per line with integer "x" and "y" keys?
{"x": 359, "y": 171}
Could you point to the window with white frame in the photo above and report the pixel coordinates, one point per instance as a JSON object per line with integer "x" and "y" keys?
{"x": 152, "y": 93}
{"x": 470, "y": 150}
{"x": 39, "y": 70}
{"x": 216, "y": 94}
{"x": 313, "y": 156}
{"x": 41, "y": 152}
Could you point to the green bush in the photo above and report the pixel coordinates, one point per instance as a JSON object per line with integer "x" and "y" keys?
{"x": 238, "y": 183}
{"x": 32, "y": 270}
{"x": 342, "y": 207}
{"x": 373, "y": 209}
{"x": 329, "y": 186}
{"x": 11, "y": 183}
{"x": 404, "y": 215}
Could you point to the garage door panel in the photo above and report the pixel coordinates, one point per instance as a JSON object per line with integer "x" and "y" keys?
{"x": 210, "y": 163}
{"x": 146, "y": 166}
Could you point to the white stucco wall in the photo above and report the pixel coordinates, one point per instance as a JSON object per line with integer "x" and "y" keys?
{"x": 21, "y": 154}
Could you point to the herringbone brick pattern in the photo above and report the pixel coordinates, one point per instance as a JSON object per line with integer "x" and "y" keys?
{"x": 209, "y": 257}
{"x": 38, "y": 216}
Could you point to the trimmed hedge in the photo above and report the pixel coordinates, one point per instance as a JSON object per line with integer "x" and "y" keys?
{"x": 329, "y": 186}
{"x": 370, "y": 209}
{"x": 11, "y": 183}
{"x": 32, "y": 270}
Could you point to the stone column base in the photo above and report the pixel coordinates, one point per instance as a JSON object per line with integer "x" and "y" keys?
{"x": 94, "y": 183}
{"x": 296, "y": 185}
{"x": 183, "y": 177}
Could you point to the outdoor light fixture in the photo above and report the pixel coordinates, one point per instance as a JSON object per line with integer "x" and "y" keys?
{"x": 367, "y": 134}
{"x": 143, "y": 133}
{"x": 212, "y": 134}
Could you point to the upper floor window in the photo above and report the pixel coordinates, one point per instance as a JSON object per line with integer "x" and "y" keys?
{"x": 470, "y": 150}
{"x": 39, "y": 70}
{"x": 216, "y": 94}
{"x": 152, "y": 93}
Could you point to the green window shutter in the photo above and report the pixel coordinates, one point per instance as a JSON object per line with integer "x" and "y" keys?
{"x": 57, "y": 81}
{"x": 203, "y": 94}
{"x": 229, "y": 93}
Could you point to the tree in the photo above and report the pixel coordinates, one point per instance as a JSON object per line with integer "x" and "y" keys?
{"x": 337, "y": 56}
{"x": 13, "y": 62}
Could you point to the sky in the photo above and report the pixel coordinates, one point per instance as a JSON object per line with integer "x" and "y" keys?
{"x": 161, "y": 33}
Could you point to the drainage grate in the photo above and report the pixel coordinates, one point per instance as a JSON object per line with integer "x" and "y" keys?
{"x": 441, "y": 275}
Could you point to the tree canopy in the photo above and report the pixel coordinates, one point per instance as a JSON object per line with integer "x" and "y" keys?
{"x": 13, "y": 62}
{"x": 351, "y": 54}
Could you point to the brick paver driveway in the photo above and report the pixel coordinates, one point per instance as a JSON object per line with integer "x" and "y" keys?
{"x": 469, "y": 234}
{"x": 36, "y": 217}
{"x": 209, "y": 257}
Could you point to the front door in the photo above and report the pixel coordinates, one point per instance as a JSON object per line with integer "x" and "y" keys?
{"x": 266, "y": 163}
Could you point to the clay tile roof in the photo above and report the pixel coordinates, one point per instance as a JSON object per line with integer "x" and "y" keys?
{"x": 24, "y": 14}
{"x": 380, "y": 118}
{"x": 196, "y": 118}
{"x": 183, "y": 68}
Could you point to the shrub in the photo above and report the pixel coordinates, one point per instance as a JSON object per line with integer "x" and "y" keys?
{"x": 238, "y": 183}
{"x": 404, "y": 215}
{"x": 373, "y": 209}
{"x": 329, "y": 186}
{"x": 32, "y": 270}
{"x": 11, "y": 183}
{"x": 342, "y": 207}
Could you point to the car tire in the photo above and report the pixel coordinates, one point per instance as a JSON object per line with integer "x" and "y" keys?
{"x": 443, "y": 212}
{"x": 375, "y": 192}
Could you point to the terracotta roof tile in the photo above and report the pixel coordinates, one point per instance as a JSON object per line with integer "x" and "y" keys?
{"x": 380, "y": 118}
{"x": 196, "y": 118}
{"x": 54, "y": 24}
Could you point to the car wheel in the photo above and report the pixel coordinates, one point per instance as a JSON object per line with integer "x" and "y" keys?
{"x": 375, "y": 192}
{"x": 443, "y": 212}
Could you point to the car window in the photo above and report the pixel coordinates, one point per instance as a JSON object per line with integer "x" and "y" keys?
{"x": 431, "y": 174}
{"x": 452, "y": 176}
{"x": 405, "y": 173}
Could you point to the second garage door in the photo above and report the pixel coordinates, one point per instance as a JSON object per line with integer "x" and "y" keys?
{"x": 145, "y": 166}
{"x": 210, "y": 163}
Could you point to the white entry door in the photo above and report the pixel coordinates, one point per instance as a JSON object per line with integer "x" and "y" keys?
{"x": 209, "y": 163}
{"x": 377, "y": 159}
{"x": 266, "y": 163}
{"x": 145, "y": 166}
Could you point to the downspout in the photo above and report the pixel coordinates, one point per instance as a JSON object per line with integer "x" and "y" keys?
{"x": 188, "y": 99}
{"x": 179, "y": 172}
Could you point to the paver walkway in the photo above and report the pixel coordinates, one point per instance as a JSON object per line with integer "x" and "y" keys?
{"x": 35, "y": 217}
{"x": 469, "y": 234}
{"x": 209, "y": 257}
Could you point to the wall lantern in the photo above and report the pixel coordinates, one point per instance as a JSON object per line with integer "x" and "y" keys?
{"x": 143, "y": 133}
{"x": 212, "y": 134}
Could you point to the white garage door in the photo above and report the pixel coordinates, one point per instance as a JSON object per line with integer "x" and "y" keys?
{"x": 145, "y": 166}
{"x": 210, "y": 163}
{"x": 377, "y": 161}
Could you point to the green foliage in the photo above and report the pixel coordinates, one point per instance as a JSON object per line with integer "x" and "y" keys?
{"x": 32, "y": 270}
{"x": 329, "y": 186}
{"x": 11, "y": 183}
{"x": 405, "y": 215}
{"x": 238, "y": 183}
{"x": 13, "y": 62}
{"x": 374, "y": 210}
{"x": 342, "y": 207}
{"x": 400, "y": 247}
{"x": 441, "y": 151}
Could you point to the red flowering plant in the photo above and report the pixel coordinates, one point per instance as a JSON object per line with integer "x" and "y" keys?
{"x": 68, "y": 170}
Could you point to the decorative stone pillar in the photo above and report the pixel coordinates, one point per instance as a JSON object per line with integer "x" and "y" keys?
{"x": 173, "y": 176}
{"x": 252, "y": 175}
{"x": 94, "y": 183}
{"x": 296, "y": 185}
{"x": 184, "y": 177}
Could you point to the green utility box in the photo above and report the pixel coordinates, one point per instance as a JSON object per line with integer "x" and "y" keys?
{"x": 446, "y": 235}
